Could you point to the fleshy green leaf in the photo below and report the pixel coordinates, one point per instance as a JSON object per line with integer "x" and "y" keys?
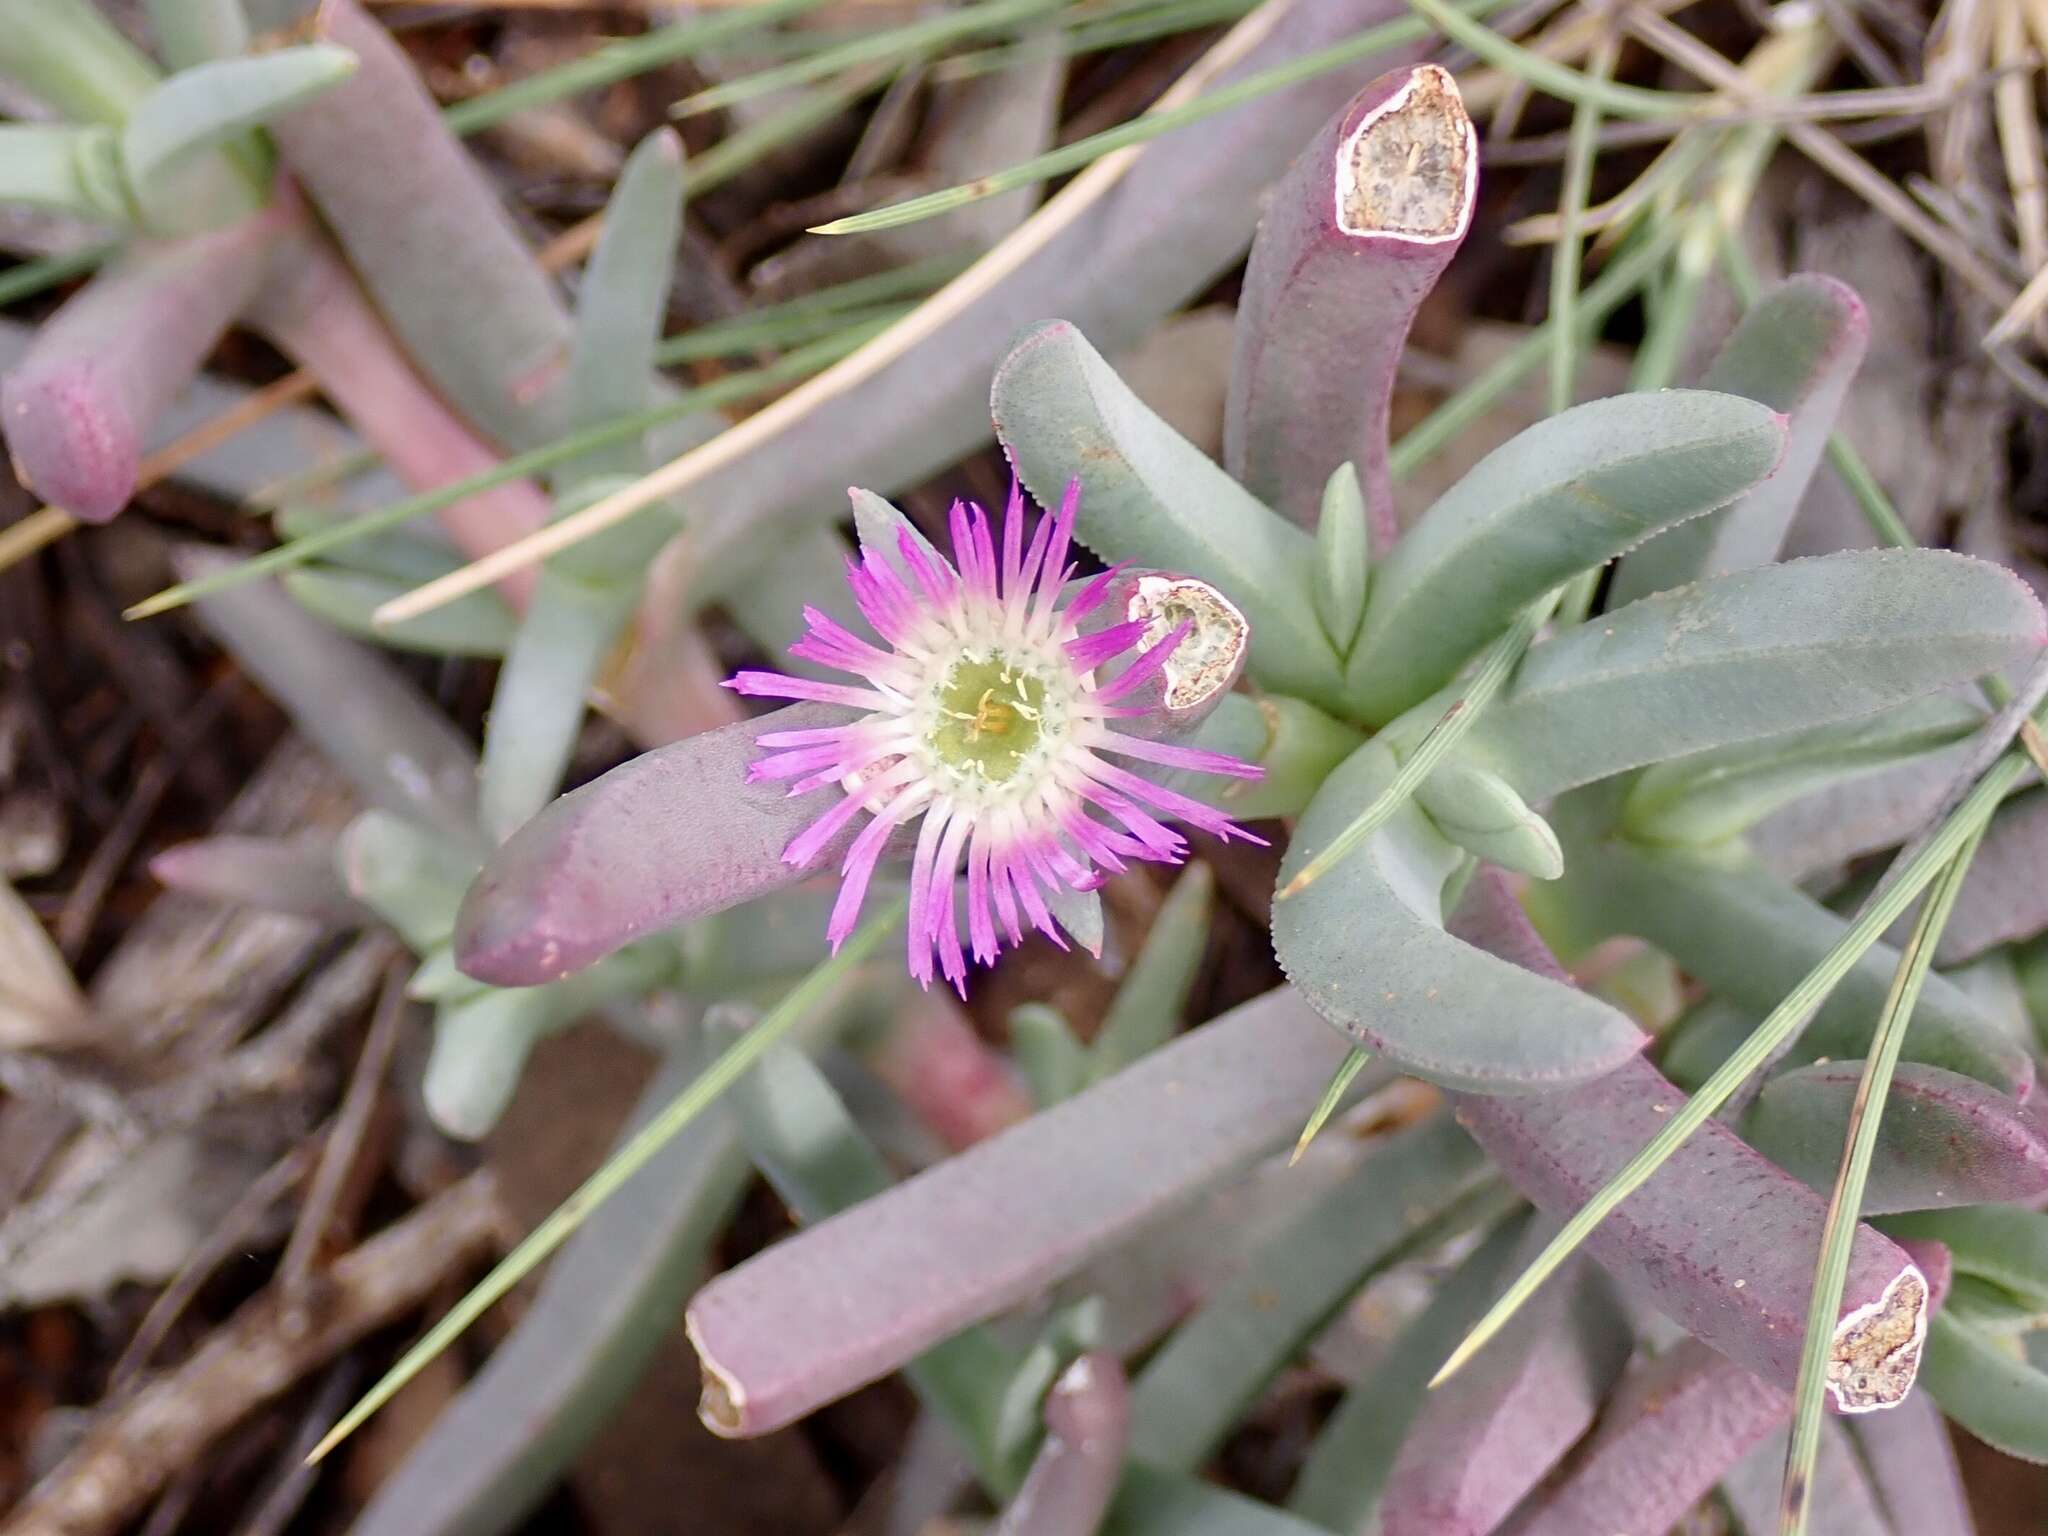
{"x": 64, "y": 169}
{"x": 1481, "y": 813}
{"x": 1999, "y": 1243}
{"x": 1343, "y": 559}
{"x": 1760, "y": 653}
{"x": 1986, "y": 1385}
{"x": 1346, "y": 1468}
{"x": 1148, "y": 1004}
{"x": 200, "y": 107}
{"x": 1712, "y": 795}
{"x": 1150, "y": 496}
{"x": 620, "y": 310}
{"x": 1365, "y": 945}
{"x": 1795, "y": 352}
{"x": 476, "y": 624}
{"x": 1752, "y": 937}
{"x": 1053, "y": 1062}
{"x": 1560, "y": 498}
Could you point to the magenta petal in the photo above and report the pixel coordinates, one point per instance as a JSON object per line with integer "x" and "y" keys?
{"x": 1149, "y": 664}
{"x": 773, "y": 685}
{"x": 1197, "y": 758}
{"x": 1091, "y": 651}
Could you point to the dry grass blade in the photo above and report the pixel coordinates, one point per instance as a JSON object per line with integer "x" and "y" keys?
{"x": 680, "y": 473}
{"x": 1830, "y": 154}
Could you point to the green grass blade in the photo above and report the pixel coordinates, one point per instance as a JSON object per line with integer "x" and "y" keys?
{"x": 1083, "y": 152}
{"x": 621, "y": 1166}
{"x": 1340, "y": 1082}
{"x": 733, "y": 387}
{"x": 1907, "y": 879}
{"x": 1556, "y": 79}
{"x": 1845, "y": 1205}
{"x": 887, "y": 43}
{"x": 1566, "y": 258}
{"x": 1615, "y": 286}
{"x": 620, "y": 61}
{"x": 1493, "y": 671}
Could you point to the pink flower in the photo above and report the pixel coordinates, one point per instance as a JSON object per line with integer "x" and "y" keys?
{"x": 984, "y": 716}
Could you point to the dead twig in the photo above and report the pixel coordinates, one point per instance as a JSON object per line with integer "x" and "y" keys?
{"x": 143, "y": 1442}
{"x": 1830, "y": 154}
{"x": 228, "y": 1234}
{"x": 345, "y": 1141}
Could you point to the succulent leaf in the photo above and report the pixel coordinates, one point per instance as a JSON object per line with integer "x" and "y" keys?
{"x": 1795, "y": 351}
{"x": 1365, "y": 945}
{"x": 1560, "y": 498}
{"x": 1152, "y": 497}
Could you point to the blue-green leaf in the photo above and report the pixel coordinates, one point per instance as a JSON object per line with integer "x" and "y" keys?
{"x": 1795, "y": 352}
{"x": 1987, "y": 1385}
{"x": 202, "y": 106}
{"x": 1150, "y": 496}
{"x": 1760, "y": 653}
{"x": 1365, "y": 945}
{"x": 1560, "y": 498}
{"x": 1715, "y": 794}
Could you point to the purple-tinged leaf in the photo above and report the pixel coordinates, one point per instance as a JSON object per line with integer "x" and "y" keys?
{"x": 1842, "y": 1502}
{"x": 397, "y": 750}
{"x": 1795, "y": 352}
{"x": 2004, "y": 898}
{"x": 1345, "y": 1473}
{"x": 1946, "y": 1139}
{"x": 676, "y": 834}
{"x": 1491, "y": 1433}
{"x": 429, "y": 235}
{"x": 1719, "y": 1239}
{"x": 1912, "y": 1466}
{"x": 1366, "y": 946}
{"x": 1351, "y": 242}
{"x": 1212, "y": 1369}
{"x": 1076, "y": 1471}
{"x": 1846, "y": 821}
{"x": 605, "y": 1306}
{"x": 1673, "y": 1429}
{"x": 313, "y": 309}
{"x": 80, "y": 404}
{"x": 850, "y": 1300}
{"x": 274, "y": 874}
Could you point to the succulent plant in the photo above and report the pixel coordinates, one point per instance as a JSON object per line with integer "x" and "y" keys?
{"x": 1618, "y": 765}
{"x": 1476, "y": 785}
